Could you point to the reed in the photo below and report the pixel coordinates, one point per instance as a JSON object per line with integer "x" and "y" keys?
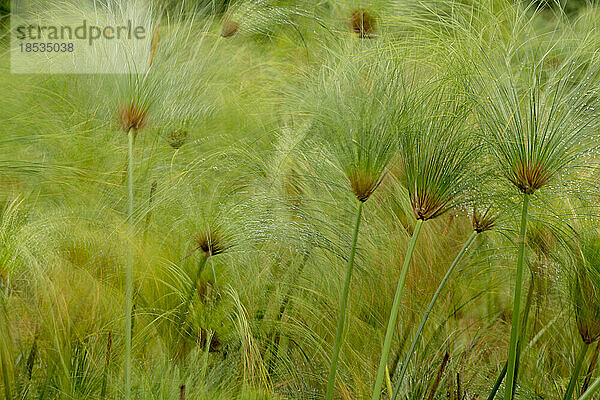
{"x": 211, "y": 243}
{"x": 346, "y": 179}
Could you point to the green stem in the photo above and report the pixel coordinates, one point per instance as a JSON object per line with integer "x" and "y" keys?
{"x": 344, "y": 301}
{"x": 576, "y": 371}
{"x": 588, "y": 395}
{"x": 522, "y": 336}
{"x": 516, "y": 328}
{"x": 498, "y": 382}
{"x": 413, "y": 345}
{"x": 588, "y": 376}
{"x": 394, "y": 313}
{"x": 182, "y": 315}
{"x": 129, "y": 271}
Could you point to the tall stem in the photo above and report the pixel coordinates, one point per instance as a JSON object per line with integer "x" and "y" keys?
{"x": 342, "y": 316}
{"x": 182, "y": 315}
{"x": 516, "y": 328}
{"x": 498, "y": 382}
{"x": 129, "y": 271}
{"x": 394, "y": 313}
{"x": 413, "y": 345}
{"x": 588, "y": 376}
{"x": 588, "y": 395}
{"x": 576, "y": 371}
{"x": 521, "y": 342}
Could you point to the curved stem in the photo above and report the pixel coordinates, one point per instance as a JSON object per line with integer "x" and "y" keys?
{"x": 129, "y": 271}
{"x": 394, "y": 313}
{"x": 576, "y": 371}
{"x": 344, "y": 301}
{"x": 516, "y": 328}
{"x": 413, "y": 345}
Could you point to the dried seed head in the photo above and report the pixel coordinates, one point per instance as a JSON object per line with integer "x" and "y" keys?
{"x": 483, "y": 221}
{"x": 182, "y": 392}
{"x": 211, "y": 242}
{"x": 363, "y": 23}
{"x": 33, "y": 353}
{"x": 177, "y": 138}
{"x": 587, "y": 311}
{"x": 229, "y": 28}
{"x": 363, "y": 184}
{"x": 133, "y": 116}
{"x": 528, "y": 177}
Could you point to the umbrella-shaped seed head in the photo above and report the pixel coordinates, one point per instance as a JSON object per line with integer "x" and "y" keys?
{"x": 359, "y": 106}
{"x": 538, "y": 127}
{"x": 427, "y": 205}
{"x": 177, "y": 138}
{"x": 528, "y": 176}
{"x": 483, "y": 221}
{"x": 437, "y": 154}
{"x": 132, "y": 116}
{"x": 363, "y": 23}
{"x": 229, "y": 28}
{"x": 363, "y": 184}
{"x": 211, "y": 242}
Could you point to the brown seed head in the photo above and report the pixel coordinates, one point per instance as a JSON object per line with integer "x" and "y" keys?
{"x": 483, "y": 221}
{"x": 229, "y": 28}
{"x": 427, "y": 206}
{"x": 363, "y": 184}
{"x": 528, "y": 176}
{"x": 182, "y": 392}
{"x": 133, "y": 116}
{"x": 212, "y": 243}
{"x": 177, "y": 138}
{"x": 363, "y": 23}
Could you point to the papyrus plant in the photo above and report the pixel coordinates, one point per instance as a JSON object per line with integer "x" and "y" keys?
{"x": 437, "y": 152}
{"x": 537, "y": 126}
{"x": 133, "y": 116}
{"x": 483, "y": 220}
{"x": 585, "y": 294}
{"x": 362, "y": 102}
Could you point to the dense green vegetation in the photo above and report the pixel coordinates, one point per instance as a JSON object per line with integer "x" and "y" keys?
{"x": 309, "y": 200}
